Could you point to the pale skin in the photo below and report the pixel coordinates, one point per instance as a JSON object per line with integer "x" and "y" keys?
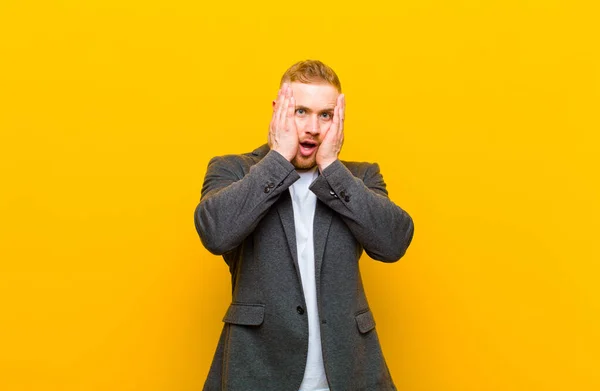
{"x": 307, "y": 127}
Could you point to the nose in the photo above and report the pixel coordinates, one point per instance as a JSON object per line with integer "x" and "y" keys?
{"x": 312, "y": 126}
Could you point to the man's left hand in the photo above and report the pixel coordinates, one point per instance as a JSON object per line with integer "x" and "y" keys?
{"x": 334, "y": 137}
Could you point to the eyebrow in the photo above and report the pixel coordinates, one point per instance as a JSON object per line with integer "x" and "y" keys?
{"x": 327, "y": 110}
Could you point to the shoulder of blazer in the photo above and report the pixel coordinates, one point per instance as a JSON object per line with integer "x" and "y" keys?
{"x": 360, "y": 169}
{"x": 239, "y": 164}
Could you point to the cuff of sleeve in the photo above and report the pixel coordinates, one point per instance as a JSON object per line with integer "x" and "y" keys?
{"x": 278, "y": 172}
{"x": 332, "y": 168}
{"x": 276, "y": 156}
{"x": 333, "y": 183}
{"x": 338, "y": 176}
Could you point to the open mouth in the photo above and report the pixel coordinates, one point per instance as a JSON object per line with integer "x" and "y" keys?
{"x": 307, "y": 147}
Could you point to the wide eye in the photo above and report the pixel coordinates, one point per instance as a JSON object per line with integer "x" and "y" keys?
{"x": 326, "y": 116}
{"x": 300, "y": 111}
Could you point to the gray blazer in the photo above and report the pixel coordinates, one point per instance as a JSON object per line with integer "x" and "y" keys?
{"x": 245, "y": 214}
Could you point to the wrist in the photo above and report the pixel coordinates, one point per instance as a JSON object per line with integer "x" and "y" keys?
{"x": 324, "y": 164}
{"x": 287, "y": 156}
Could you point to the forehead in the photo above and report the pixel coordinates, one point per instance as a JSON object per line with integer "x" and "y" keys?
{"x": 315, "y": 96}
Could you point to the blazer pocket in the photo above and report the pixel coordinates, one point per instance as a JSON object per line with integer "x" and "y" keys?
{"x": 365, "y": 321}
{"x": 245, "y": 314}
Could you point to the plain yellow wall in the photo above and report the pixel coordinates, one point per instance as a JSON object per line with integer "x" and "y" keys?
{"x": 484, "y": 117}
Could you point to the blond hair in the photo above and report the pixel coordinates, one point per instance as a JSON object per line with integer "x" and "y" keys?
{"x": 311, "y": 71}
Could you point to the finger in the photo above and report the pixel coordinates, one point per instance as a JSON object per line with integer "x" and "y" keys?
{"x": 280, "y": 102}
{"x": 342, "y": 113}
{"x": 343, "y": 116}
{"x": 335, "y": 123}
{"x": 275, "y": 117}
{"x": 291, "y": 109}
{"x": 289, "y": 105}
{"x": 277, "y": 100}
{"x": 284, "y": 110}
{"x": 329, "y": 134}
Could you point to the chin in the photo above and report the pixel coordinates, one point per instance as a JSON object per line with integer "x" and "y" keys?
{"x": 304, "y": 163}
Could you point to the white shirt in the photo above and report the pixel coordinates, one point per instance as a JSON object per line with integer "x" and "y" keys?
{"x": 304, "y": 202}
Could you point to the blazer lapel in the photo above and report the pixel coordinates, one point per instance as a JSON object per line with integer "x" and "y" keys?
{"x": 286, "y": 214}
{"x": 322, "y": 222}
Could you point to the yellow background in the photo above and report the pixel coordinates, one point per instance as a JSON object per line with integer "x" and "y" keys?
{"x": 484, "y": 117}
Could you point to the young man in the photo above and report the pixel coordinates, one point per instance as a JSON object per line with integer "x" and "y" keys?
{"x": 291, "y": 220}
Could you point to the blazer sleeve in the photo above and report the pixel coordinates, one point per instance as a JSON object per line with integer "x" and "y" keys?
{"x": 231, "y": 205}
{"x": 383, "y": 229}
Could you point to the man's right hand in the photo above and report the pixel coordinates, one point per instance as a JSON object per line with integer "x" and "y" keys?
{"x": 283, "y": 136}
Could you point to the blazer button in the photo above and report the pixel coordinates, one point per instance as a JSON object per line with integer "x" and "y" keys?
{"x": 347, "y": 199}
{"x": 300, "y": 310}
{"x": 343, "y": 194}
{"x": 270, "y": 185}
{"x": 267, "y": 189}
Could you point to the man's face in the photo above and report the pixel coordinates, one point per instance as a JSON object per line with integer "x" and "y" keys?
{"x": 314, "y": 112}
